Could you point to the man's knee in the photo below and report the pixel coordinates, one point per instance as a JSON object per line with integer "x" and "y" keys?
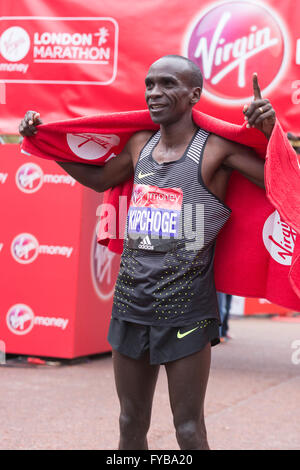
{"x": 186, "y": 430}
{"x": 191, "y": 434}
{"x": 134, "y": 423}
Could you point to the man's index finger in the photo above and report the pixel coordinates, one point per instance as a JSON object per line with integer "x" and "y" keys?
{"x": 256, "y": 89}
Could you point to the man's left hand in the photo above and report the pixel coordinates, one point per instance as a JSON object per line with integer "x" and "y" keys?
{"x": 260, "y": 113}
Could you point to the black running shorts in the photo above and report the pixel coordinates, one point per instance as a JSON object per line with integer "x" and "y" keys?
{"x": 165, "y": 344}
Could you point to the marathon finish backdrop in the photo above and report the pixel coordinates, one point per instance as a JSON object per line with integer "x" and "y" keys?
{"x": 68, "y": 59}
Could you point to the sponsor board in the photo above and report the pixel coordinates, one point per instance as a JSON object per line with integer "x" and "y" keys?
{"x": 34, "y": 49}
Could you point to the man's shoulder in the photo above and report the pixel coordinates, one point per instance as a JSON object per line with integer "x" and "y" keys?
{"x": 138, "y": 140}
{"x": 141, "y": 137}
{"x": 221, "y": 144}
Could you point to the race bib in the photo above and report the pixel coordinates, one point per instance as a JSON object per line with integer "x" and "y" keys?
{"x": 154, "y": 217}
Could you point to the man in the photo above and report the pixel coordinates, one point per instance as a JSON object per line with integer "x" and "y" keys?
{"x": 165, "y": 305}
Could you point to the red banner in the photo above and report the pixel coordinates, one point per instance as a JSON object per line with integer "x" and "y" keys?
{"x": 68, "y": 60}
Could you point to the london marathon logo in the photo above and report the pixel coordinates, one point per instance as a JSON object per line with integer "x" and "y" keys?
{"x": 231, "y": 41}
{"x": 34, "y": 50}
{"x": 89, "y": 146}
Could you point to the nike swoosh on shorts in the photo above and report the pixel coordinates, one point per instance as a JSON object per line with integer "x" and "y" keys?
{"x": 182, "y": 335}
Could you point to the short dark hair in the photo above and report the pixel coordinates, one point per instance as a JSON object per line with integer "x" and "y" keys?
{"x": 196, "y": 74}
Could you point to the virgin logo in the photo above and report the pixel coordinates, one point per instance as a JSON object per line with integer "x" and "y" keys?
{"x": 15, "y": 44}
{"x": 104, "y": 269}
{"x": 279, "y": 239}
{"x": 29, "y": 178}
{"x": 20, "y": 319}
{"x": 138, "y": 195}
{"x": 231, "y": 41}
{"x": 92, "y": 146}
{"x": 25, "y": 248}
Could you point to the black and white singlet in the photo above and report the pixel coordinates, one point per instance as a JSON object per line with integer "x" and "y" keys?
{"x": 166, "y": 273}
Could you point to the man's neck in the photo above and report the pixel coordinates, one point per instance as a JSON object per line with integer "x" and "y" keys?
{"x": 175, "y": 134}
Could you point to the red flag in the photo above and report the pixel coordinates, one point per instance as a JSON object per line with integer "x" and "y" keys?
{"x": 257, "y": 253}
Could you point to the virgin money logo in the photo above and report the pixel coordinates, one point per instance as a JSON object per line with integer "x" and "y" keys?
{"x": 230, "y": 42}
{"x": 279, "y": 239}
{"x": 20, "y": 319}
{"x": 90, "y": 146}
{"x": 14, "y": 44}
{"x": 29, "y": 178}
{"x": 104, "y": 269}
{"x": 139, "y": 194}
{"x": 25, "y": 248}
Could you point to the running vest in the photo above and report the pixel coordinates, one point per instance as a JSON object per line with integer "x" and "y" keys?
{"x": 166, "y": 272}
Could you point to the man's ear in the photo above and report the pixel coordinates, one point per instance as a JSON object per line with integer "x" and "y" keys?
{"x": 195, "y": 95}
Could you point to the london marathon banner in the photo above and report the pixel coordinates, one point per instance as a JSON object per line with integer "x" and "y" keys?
{"x": 73, "y": 59}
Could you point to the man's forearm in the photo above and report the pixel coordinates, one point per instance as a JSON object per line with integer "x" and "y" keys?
{"x": 87, "y": 175}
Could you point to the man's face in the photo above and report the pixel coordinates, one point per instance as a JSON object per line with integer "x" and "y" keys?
{"x": 169, "y": 94}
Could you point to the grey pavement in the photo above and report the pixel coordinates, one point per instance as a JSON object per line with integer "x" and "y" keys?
{"x": 252, "y": 399}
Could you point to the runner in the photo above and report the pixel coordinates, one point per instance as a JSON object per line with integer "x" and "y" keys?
{"x": 165, "y": 308}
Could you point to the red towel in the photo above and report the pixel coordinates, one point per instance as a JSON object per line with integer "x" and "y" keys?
{"x": 257, "y": 253}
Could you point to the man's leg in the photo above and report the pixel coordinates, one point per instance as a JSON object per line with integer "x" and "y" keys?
{"x": 135, "y": 382}
{"x": 187, "y": 379}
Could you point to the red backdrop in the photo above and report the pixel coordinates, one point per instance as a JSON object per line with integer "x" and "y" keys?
{"x": 68, "y": 59}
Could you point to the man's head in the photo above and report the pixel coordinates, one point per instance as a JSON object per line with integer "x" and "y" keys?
{"x": 173, "y": 87}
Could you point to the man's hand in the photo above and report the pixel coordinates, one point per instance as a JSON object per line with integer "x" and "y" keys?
{"x": 260, "y": 113}
{"x": 27, "y": 127}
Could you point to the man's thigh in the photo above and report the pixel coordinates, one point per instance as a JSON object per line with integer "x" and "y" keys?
{"x": 187, "y": 381}
{"x": 135, "y": 382}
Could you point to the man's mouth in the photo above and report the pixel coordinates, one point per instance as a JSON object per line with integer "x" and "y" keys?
{"x": 156, "y": 106}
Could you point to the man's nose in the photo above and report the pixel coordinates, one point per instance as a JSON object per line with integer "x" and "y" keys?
{"x": 155, "y": 91}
